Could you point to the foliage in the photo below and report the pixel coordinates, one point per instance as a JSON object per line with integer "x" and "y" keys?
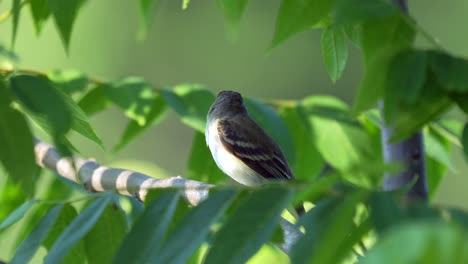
{"x": 351, "y": 219}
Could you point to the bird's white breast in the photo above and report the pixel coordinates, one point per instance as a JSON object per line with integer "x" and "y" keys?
{"x": 228, "y": 163}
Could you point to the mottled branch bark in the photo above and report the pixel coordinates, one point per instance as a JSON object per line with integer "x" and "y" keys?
{"x": 409, "y": 152}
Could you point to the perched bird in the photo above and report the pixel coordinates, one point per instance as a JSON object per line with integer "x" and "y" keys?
{"x": 240, "y": 147}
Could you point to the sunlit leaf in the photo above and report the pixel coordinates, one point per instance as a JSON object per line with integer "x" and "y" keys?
{"x": 69, "y": 81}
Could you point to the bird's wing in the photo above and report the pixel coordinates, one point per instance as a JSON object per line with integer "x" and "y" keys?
{"x": 254, "y": 147}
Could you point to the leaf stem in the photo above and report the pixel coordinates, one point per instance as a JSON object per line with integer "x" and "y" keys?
{"x": 7, "y": 14}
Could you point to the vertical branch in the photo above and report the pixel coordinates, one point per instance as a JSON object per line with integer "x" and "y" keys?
{"x": 409, "y": 152}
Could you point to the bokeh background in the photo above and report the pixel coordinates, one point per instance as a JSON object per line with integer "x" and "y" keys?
{"x": 192, "y": 46}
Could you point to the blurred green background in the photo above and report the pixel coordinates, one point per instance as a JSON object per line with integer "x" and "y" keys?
{"x": 192, "y": 46}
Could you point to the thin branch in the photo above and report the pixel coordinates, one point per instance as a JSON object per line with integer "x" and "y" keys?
{"x": 7, "y": 14}
{"x": 100, "y": 178}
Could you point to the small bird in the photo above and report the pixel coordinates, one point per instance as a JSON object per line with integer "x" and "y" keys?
{"x": 240, "y": 147}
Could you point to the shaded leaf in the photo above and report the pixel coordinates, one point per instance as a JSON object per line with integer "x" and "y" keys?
{"x": 40, "y": 13}
{"x": 450, "y": 71}
{"x": 248, "y": 227}
{"x": 464, "y": 139}
{"x": 461, "y": 99}
{"x": 191, "y": 103}
{"x": 94, "y": 101}
{"x": 154, "y": 117}
{"x": 438, "y": 158}
{"x": 295, "y": 16}
{"x": 69, "y": 81}
{"x": 103, "y": 240}
{"x": 133, "y": 95}
{"x": 65, "y": 13}
{"x": 201, "y": 165}
{"x": 146, "y": 235}
{"x": 17, "y": 214}
{"x": 33, "y": 241}
{"x": 334, "y": 52}
{"x": 16, "y": 141}
{"x": 15, "y": 10}
{"x": 190, "y": 232}
{"x": 232, "y": 10}
{"x": 148, "y": 9}
{"x": 353, "y": 11}
{"x": 77, "y": 229}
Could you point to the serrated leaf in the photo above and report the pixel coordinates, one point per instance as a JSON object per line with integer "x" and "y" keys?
{"x": 133, "y": 95}
{"x": 425, "y": 242}
{"x": 148, "y": 9}
{"x": 232, "y": 10}
{"x": 40, "y": 13}
{"x": 148, "y": 230}
{"x": 103, "y": 240}
{"x": 451, "y": 72}
{"x": 15, "y": 10}
{"x": 69, "y": 81}
{"x": 191, "y": 103}
{"x": 271, "y": 122}
{"x": 94, "y": 101}
{"x": 405, "y": 81}
{"x": 295, "y": 16}
{"x": 17, "y": 151}
{"x": 201, "y": 165}
{"x": 33, "y": 241}
{"x": 249, "y": 226}
{"x": 17, "y": 214}
{"x": 353, "y": 11}
{"x": 38, "y": 96}
{"x": 190, "y": 232}
{"x": 334, "y": 52}
{"x": 65, "y": 13}
{"x": 154, "y": 117}
{"x": 77, "y": 229}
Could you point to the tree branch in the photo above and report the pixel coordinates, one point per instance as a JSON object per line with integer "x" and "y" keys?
{"x": 409, "y": 152}
{"x": 100, "y": 178}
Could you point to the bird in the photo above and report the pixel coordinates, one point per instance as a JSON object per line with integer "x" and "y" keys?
{"x": 240, "y": 147}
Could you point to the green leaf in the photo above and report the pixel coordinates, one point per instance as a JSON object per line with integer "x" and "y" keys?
{"x": 341, "y": 141}
{"x": 65, "y": 13}
{"x": 69, "y": 81}
{"x": 327, "y": 227}
{"x": 384, "y": 211}
{"x": 461, "y": 99}
{"x": 353, "y": 11}
{"x": 77, "y": 229}
{"x": 308, "y": 162}
{"x": 438, "y": 158}
{"x": 155, "y": 116}
{"x": 381, "y": 39}
{"x": 334, "y": 52}
{"x": 17, "y": 214}
{"x": 425, "y": 242}
{"x": 17, "y": 151}
{"x": 249, "y": 226}
{"x": 133, "y": 95}
{"x": 405, "y": 81}
{"x": 146, "y": 235}
{"x": 94, "y": 101}
{"x": 464, "y": 139}
{"x": 31, "y": 244}
{"x": 232, "y": 10}
{"x": 201, "y": 165}
{"x": 190, "y": 232}
{"x": 272, "y": 123}
{"x": 295, "y": 16}
{"x": 191, "y": 103}
{"x": 77, "y": 254}
{"x": 15, "y": 10}
{"x": 450, "y": 71}
{"x": 103, "y": 240}
{"x": 148, "y": 9}
{"x": 39, "y": 96}
{"x": 40, "y": 13}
